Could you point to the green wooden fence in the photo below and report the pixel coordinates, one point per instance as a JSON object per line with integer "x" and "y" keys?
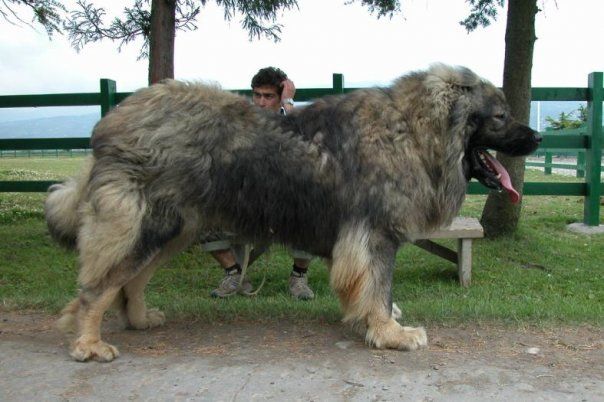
{"x": 588, "y": 140}
{"x": 579, "y": 154}
{"x": 578, "y": 165}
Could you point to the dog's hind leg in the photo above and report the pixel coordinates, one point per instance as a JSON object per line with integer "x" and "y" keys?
{"x": 95, "y": 299}
{"x": 125, "y": 281}
{"x": 93, "y": 304}
{"x": 361, "y": 275}
{"x": 107, "y": 240}
{"x": 121, "y": 240}
{"x": 137, "y": 313}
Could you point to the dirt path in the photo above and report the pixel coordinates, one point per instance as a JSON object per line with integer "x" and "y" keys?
{"x": 309, "y": 362}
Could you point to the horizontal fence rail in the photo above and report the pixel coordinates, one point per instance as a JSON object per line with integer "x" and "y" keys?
{"x": 44, "y": 143}
{"x": 587, "y": 140}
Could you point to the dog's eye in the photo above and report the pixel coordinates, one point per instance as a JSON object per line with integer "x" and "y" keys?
{"x": 499, "y": 120}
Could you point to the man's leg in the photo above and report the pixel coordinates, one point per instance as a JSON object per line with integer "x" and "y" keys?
{"x": 225, "y": 258}
{"x": 298, "y": 280}
{"x": 231, "y": 283}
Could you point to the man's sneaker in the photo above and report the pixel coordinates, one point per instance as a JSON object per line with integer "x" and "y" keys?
{"x": 298, "y": 287}
{"x": 230, "y": 286}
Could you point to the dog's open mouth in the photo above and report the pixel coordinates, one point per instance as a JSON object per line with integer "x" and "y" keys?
{"x": 491, "y": 173}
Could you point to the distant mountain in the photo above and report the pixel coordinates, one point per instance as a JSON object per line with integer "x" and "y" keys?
{"x": 81, "y": 125}
{"x": 50, "y": 127}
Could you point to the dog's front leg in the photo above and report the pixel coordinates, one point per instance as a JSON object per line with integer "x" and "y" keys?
{"x": 361, "y": 275}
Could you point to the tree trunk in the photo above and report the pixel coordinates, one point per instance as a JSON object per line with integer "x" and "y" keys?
{"x": 161, "y": 40}
{"x": 500, "y": 216}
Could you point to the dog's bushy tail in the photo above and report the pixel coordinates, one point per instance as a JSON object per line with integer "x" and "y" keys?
{"x": 61, "y": 208}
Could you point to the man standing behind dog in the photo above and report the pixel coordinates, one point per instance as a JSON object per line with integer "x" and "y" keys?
{"x": 272, "y": 90}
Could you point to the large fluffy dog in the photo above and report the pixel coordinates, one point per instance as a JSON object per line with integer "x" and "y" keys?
{"x": 360, "y": 173}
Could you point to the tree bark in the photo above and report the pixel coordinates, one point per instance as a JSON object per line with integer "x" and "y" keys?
{"x": 161, "y": 40}
{"x": 500, "y": 216}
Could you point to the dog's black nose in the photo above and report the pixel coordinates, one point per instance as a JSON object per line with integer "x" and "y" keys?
{"x": 537, "y": 137}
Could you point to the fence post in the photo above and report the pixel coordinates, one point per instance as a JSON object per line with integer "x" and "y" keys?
{"x": 547, "y": 157}
{"x": 593, "y": 155}
{"x": 547, "y": 163}
{"x": 581, "y": 163}
{"x": 108, "y": 90}
{"x": 338, "y": 83}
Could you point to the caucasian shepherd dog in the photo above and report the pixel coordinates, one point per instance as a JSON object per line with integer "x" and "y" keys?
{"x": 360, "y": 173}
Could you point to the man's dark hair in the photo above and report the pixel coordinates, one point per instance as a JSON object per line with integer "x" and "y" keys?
{"x": 269, "y": 76}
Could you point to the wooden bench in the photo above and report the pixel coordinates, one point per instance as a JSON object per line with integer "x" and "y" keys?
{"x": 464, "y": 230}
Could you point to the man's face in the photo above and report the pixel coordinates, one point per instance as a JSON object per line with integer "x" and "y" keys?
{"x": 266, "y": 96}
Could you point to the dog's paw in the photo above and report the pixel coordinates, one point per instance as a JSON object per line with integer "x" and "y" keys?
{"x": 419, "y": 336}
{"x": 151, "y": 319}
{"x": 155, "y": 318}
{"x": 391, "y": 335}
{"x": 84, "y": 350}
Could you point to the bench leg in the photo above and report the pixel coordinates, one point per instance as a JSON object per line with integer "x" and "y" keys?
{"x": 464, "y": 261}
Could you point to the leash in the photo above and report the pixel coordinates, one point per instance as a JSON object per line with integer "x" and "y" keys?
{"x": 247, "y": 248}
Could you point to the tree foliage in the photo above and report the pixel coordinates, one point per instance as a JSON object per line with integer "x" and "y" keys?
{"x": 259, "y": 16}
{"x": 482, "y": 12}
{"x": 569, "y": 120}
{"x": 382, "y": 8}
{"x": 156, "y": 22}
{"x": 87, "y": 23}
{"x": 48, "y": 13}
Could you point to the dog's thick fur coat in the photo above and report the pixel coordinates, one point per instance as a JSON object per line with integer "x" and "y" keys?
{"x": 361, "y": 173}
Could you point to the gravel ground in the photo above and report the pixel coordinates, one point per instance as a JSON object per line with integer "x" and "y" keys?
{"x": 283, "y": 361}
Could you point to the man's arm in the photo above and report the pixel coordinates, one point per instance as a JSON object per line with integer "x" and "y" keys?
{"x": 287, "y": 95}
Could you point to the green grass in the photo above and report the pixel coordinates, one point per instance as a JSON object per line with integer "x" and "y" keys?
{"x": 542, "y": 275}
{"x": 15, "y": 207}
{"x": 39, "y": 168}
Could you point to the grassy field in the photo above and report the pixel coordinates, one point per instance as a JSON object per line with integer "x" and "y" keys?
{"x": 542, "y": 275}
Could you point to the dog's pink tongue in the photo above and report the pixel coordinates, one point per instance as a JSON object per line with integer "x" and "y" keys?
{"x": 504, "y": 179}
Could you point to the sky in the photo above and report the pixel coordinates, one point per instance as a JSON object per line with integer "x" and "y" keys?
{"x": 320, "y": 38}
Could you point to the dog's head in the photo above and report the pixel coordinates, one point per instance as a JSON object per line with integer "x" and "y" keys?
{"x": 491, "y": 126}
{"x": 483, "y": 115}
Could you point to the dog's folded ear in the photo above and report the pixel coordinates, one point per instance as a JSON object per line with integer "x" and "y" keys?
{"x": 440, "y": 76}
